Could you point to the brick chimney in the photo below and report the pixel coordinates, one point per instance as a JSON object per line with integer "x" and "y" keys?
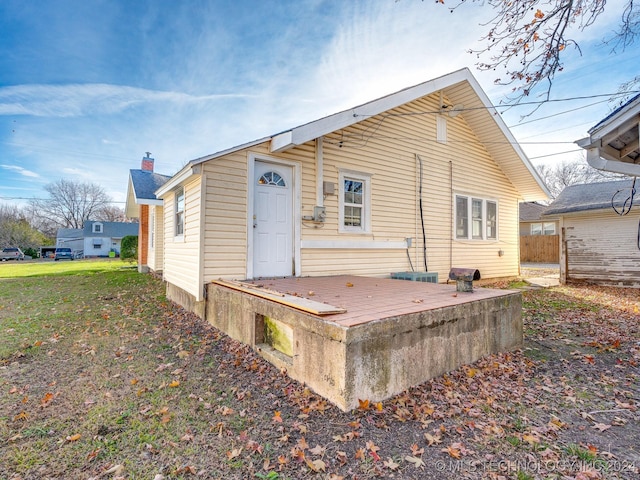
{"x": 147, "y": 163}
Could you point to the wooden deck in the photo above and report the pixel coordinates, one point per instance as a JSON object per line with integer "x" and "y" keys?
{"x": 390, "y": 334}
{"x": 367, "y": 299}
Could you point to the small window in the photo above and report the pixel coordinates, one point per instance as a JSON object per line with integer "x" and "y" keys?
{"x": 272, "y": 178}
{"x": 548, "y": 228}
{"x": 354, "y": 202}
{"x": 476, "y": 218}
{"x": 179, "y": 217}
{"x": 97, "y": 228}
{"x": 492, "y": 220}
{"x": 462, "y": 217}
{"x": 536, "y": 229}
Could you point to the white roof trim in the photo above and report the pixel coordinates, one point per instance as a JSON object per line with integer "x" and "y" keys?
{"x": 318, "y": 128}
{"x": 337, "y": 121}
{"x": 326, "y": 125}
{"x": 189, "y": 170}
{"x": 628, "y": 114}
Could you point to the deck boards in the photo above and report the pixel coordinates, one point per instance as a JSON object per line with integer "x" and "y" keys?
{"x": 366, "y": 299}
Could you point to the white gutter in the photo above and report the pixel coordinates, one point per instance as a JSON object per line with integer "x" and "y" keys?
{"x": 600, "y": 160}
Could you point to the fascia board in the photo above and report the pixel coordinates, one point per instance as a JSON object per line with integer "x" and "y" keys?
{"x": 631, "y": 113}
{"x": 188, "y": 171}
{"x": 508, "y": 135}
{"x": 346, "y": 118}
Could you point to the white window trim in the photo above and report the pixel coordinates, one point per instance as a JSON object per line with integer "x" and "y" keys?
{"x": 469, "y": 236}
{"x": 179, "y": 236}
{"x": 365, "y": 178}
{"x": 97, "y": 227}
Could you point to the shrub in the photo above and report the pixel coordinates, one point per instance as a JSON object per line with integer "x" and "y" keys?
{"x": 129, "y": 248}
{"x": 32, "y": 252}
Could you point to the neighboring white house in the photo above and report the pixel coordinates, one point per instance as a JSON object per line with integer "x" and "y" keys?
{"x": 598, "y": 245}
{"x": 72, "y": 238}
{"x": 101, "y": 238}
{"x": 96, "y": 239}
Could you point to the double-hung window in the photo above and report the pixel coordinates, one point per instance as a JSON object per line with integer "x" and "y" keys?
{"x": 476, "y": 218}
{"x": 179, "y": 216}
{"x": 546, "y": 228}
{"x": 355, "y": 202}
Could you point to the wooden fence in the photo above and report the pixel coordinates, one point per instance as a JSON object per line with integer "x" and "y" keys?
{"x": 540, "y": 248}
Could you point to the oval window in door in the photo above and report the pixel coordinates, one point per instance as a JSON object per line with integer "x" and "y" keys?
{"x": 272, "y": 178}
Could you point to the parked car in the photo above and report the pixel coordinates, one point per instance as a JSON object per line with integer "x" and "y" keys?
{"x": 11, "y": 254}
{"x": 63, "y": 253}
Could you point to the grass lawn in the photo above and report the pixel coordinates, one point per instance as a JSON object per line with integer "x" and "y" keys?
{"x": 39, "y": 268}
{"x": 101, "y": 377}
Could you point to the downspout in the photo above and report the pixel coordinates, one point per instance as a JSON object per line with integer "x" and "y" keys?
{"x": 424, "y": 234}
{"x": 452, "y": 226}
{"x": 319, "y": 172}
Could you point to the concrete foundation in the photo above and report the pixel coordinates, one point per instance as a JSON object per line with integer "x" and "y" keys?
{"x": 376, "y": 359}
{"x": 185, "y": 300}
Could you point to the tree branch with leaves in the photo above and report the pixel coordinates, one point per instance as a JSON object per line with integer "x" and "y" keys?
{"x": 528, "y": 39}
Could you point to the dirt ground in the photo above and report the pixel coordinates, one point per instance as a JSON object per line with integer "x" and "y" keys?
{"x": 168, "y": 396}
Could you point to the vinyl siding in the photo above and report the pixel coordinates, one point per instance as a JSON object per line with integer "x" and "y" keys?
{"x": 602, "y": 248}
{"x": 384, "y": 147}
{"x": 182, "y": 256}
{"x": 155, "y": 251}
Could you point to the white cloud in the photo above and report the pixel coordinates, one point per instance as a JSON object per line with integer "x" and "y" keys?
{"x": 88, "y": 99}
{"x": 21, "y": 171}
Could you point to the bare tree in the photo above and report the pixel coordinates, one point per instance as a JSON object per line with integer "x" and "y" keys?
{"x": 69, "y": 204}
{"x": 528, "y": 39}
{"x": 110, "y": 213}
{"x": 560, "y": 175}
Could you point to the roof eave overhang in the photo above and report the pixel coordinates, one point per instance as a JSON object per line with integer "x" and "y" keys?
{"x": 600, "y": 158}
{"x": 188, "y": 171}
{"x": 535, "y": 188}
{"x": 310, "y": 131}
{"x": 628, "y": 115}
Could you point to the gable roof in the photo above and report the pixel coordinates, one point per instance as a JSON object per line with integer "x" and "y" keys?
{"x": 69, "y": 233}
{"x": 591, "y": 196}
{"x": 110, "y": 229}
{"x": 613, "y": 143}
{"x": 531, "y": 211}
{"x": 460, "y": 88}
{"x": 141, "y": 190}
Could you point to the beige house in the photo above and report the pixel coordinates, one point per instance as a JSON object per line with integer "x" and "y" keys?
{"x": 425, "y": 179}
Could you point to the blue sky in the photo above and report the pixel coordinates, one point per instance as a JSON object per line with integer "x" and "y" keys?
{"x": 88, "y": 86}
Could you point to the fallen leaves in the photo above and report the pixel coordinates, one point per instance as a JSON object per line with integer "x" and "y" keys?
{"x": 601, "y": 427}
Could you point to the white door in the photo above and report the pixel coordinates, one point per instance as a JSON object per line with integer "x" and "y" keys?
{"x": 272, "y": 220}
